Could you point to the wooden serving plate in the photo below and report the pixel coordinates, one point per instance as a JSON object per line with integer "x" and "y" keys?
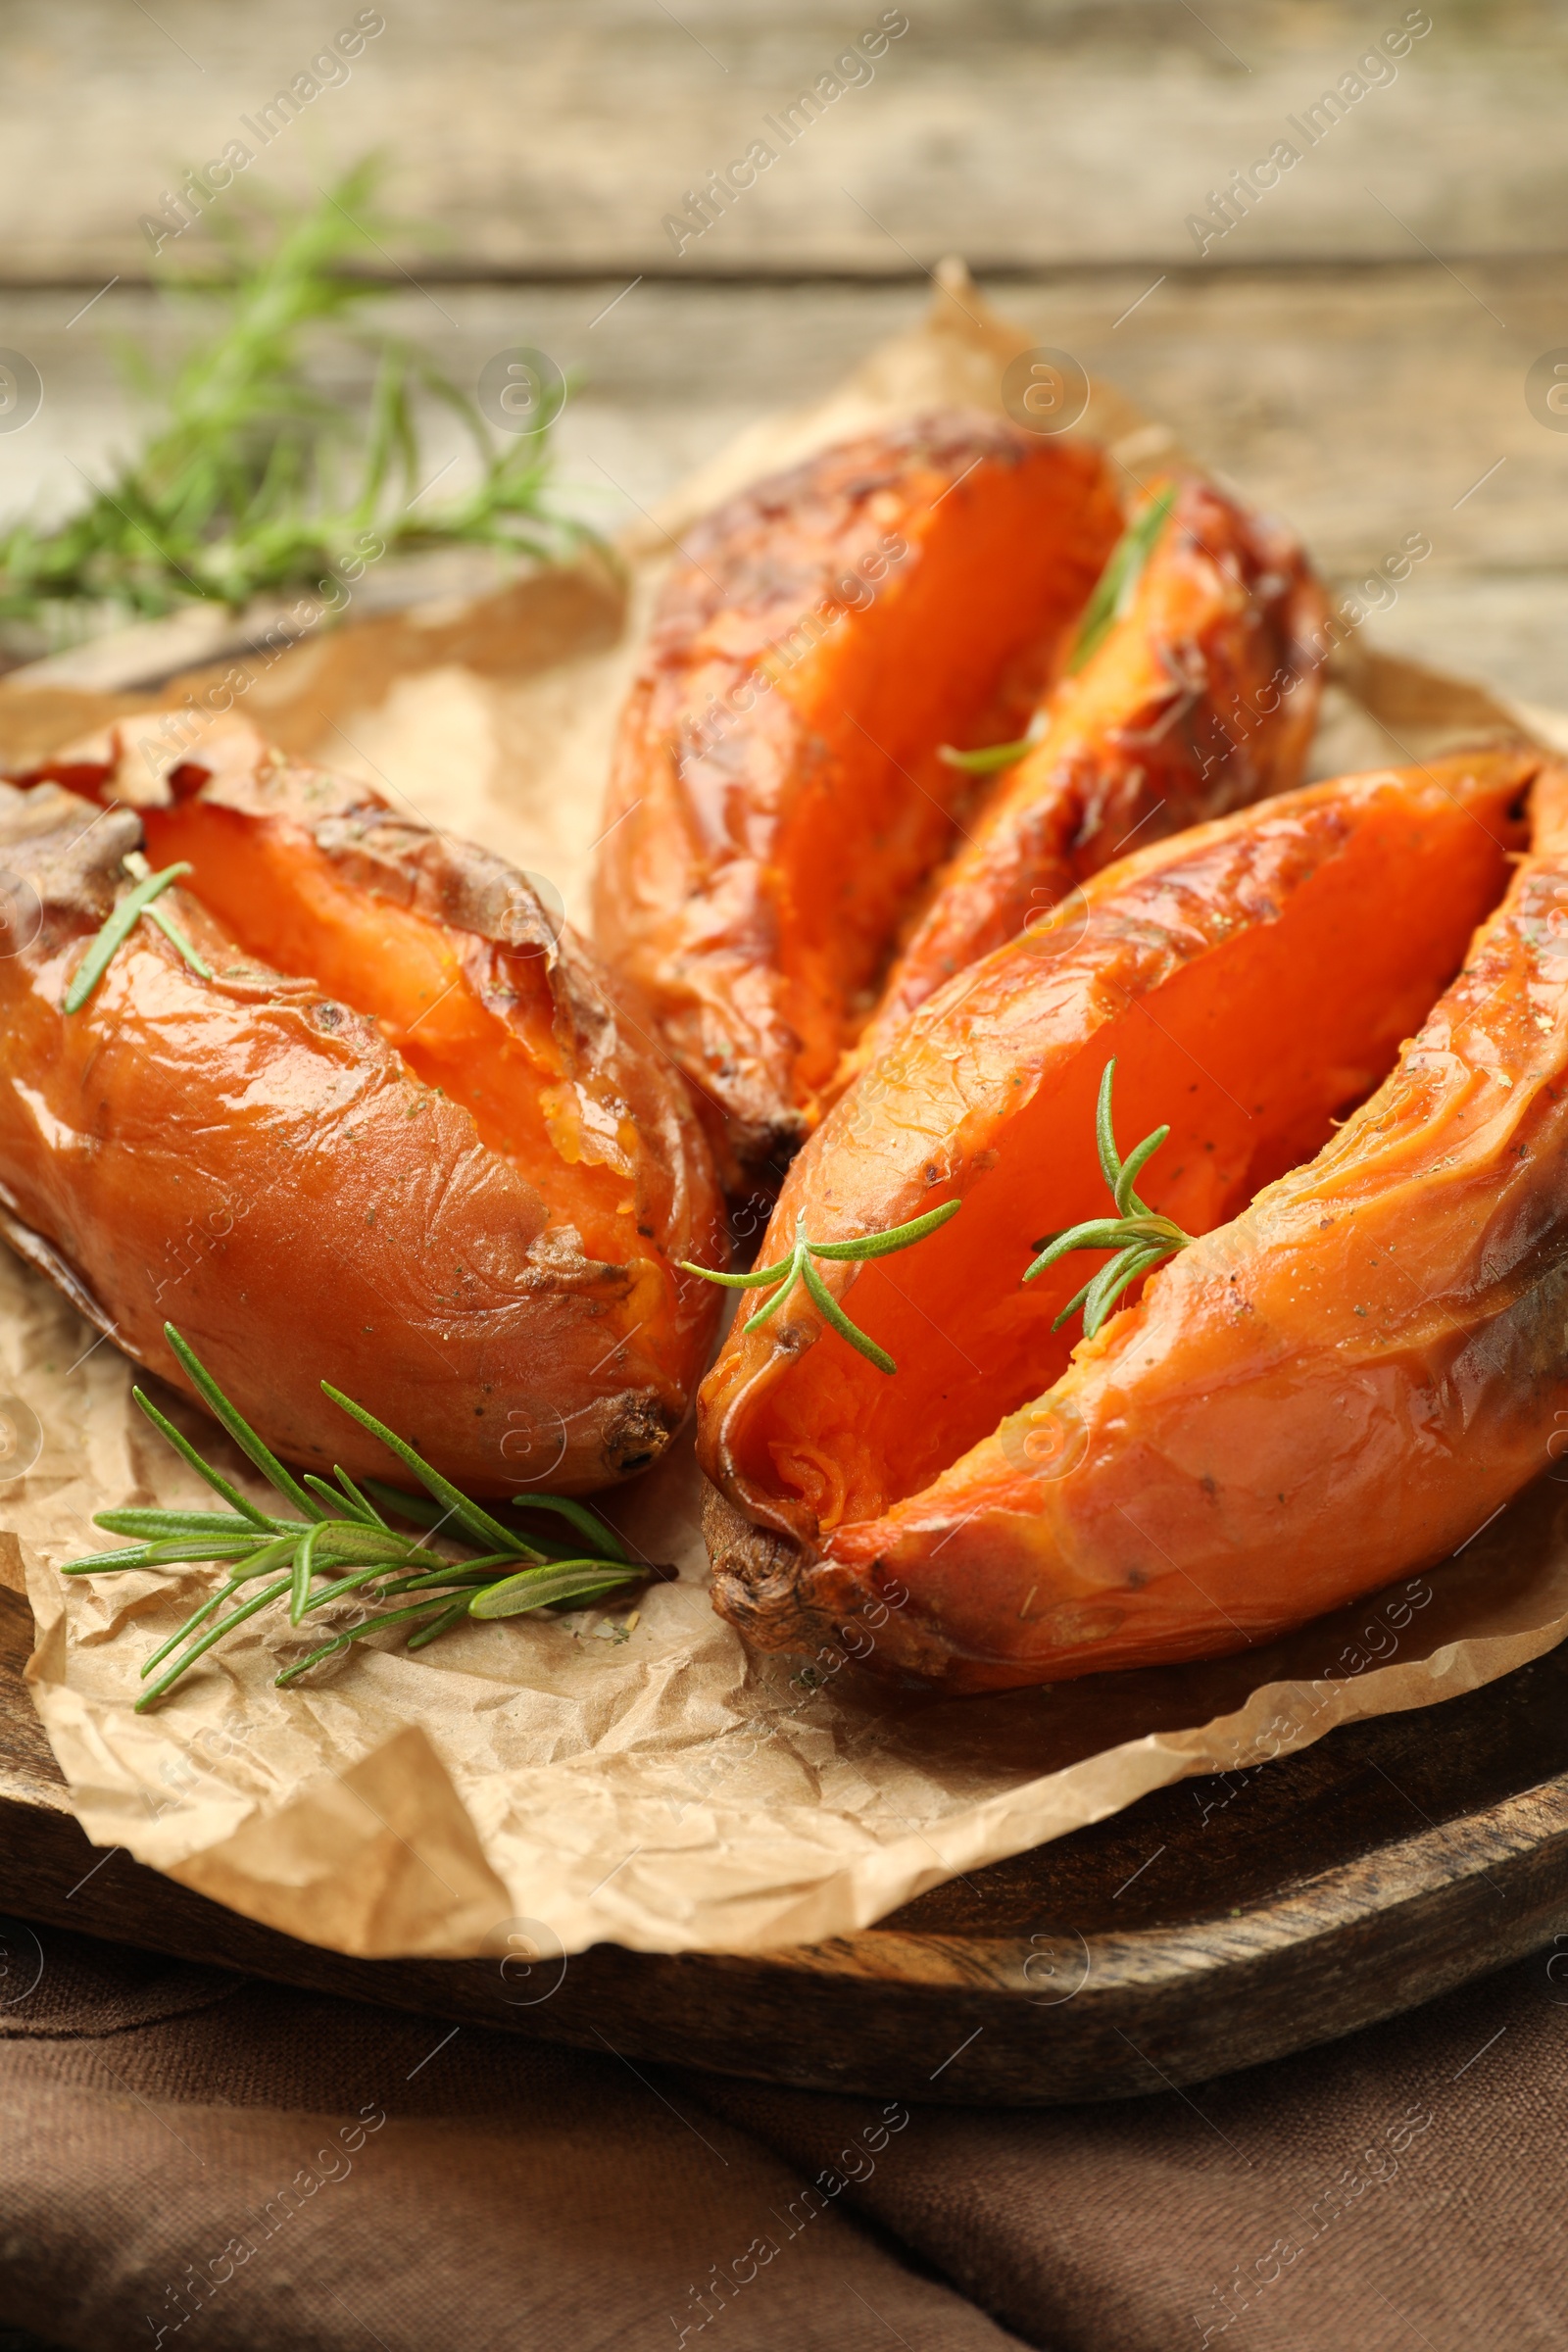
{"x": 1212, "y": 1925}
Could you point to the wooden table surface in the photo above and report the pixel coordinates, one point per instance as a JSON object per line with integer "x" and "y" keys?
{"x": 1353, "y": 354}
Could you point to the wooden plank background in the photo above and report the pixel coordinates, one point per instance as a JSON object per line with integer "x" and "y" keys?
{"x": 552, "y": 136}
{"x": 1353, "y": 355}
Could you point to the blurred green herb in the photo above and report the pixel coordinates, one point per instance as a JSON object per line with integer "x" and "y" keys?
{"x": 993, "y": 754}
{"x": 1117, "y": 584}
{"x": 343, "y": 1536}
{"x": 256, "y": 480}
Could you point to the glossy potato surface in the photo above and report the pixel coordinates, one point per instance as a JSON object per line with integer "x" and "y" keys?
{"x": 1358, "y": 1360}
{"x": 404, "y": 1138}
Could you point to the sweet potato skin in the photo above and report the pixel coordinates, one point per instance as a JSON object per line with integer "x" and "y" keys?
{"x": 250, "y": 1158}
{"x": 1337, "y": 1383}
{"x": 1203, "y": 697}
{"x": 776, "y": 794}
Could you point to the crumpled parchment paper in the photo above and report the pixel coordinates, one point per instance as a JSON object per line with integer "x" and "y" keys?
{"x": 610, "y": 1778}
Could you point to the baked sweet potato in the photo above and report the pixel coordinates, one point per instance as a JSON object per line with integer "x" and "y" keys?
{"x": 1199, "y": 693}
{"x": 777, "y": 792}
{"x": 1358, "y": 1360}
{"x": 399, "y": 1137}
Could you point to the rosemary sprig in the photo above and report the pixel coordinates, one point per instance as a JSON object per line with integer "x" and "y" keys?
{"x": 1140, "y": 1237}
{"x": 342, "y": 1535}
{"x": 254, "y": 479}
{"x": 136, "y": 865}
{"x": 123, "y": 919}
{"x": 798, "y": 1267}
{"x": 993, "y": 754}
{"x": 1112, "y": 595}
{"x": 1117, "y": 584}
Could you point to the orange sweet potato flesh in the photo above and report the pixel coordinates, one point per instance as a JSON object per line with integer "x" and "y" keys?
{"x": 1356, "y": 1362}
{"x": 1202, "y": 696}
{"x": 404, "y": 1139}
{"x": 777, "y": 794}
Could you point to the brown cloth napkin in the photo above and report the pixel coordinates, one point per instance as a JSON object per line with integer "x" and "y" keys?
{"x": 244, "y": 2166}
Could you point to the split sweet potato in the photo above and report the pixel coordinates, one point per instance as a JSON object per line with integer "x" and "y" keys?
{"x": 401, "y": 1135}
{"x": 777, "y": 793}
{"x": 1200, "y": 695}
{"x": 1358, "y": 1360}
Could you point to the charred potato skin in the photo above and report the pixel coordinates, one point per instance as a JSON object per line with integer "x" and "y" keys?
{"x": 780, "y": 1594}
{"x": 739, "y": 805}
{"x": 1331, "y": 1391}
{"x": 250, "y": 1159}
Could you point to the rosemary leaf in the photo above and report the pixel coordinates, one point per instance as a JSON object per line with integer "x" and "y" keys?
{"x": 172, "y": 932}
{"x": 598, "y": 1532}
{"x": 829, "y": 1307}
{"x": 1117, "y": 583}
{"x": 455, "y": 1576}
{"x": 469, "y": 1515}
{"x": 1140, "y": 1237}
{"x": 116, "y": 929}
{"x": 136, "y": 865}
{"x": 440, "y": 1625}
{"x": 239, "y": 1429}
{"x": 543, "y": 1588}
{"x": 757, "y": 1279}
{"x": 1098, "y": 1233}
{"x": 420, "y": 1511}
{"x": 994, "y": 756}
{"x": 357, "y": 1633}
{"x": 204, "y": 1642}
{"x": 1112, "y": 595}
{"x": 798, "y": 1267}
{"x": 357, "y": 1503}
{"x": 595, "y": 1532}
{"x": 1132, "y": 1167}
{"x": 112, "y": 1564}
{"x": 177, "y": 1552}
{"x": 338, "y": 1505}
{"x": 897, "y": 1237}
{"x": 765, "y": 1314}
{"x": 204, "y": 1469}
{"x": 303, "y": 1567}
{"x": 429, "y": 1565}
{"x": 152, "y": 1523}
{"x": 417, "y": 1510}
{"x": 256, "y": 1563}
{"x": 1110, "y": 1283}
{"x": 198, "y": 1617}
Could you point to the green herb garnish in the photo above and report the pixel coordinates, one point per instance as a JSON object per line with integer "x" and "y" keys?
{"x": 994, "y": 756}
{"x": 1118, "y": 582}
{"x": 798, "y": 1267}
{"x": 136, "y": 865}
{"x": 1112, "y": 595}
{"x": 119, "y": 925}
{"x": 342, "y": 1536}
{"x": 1140, "y": 1237}
{"x": 256, "y": 480}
